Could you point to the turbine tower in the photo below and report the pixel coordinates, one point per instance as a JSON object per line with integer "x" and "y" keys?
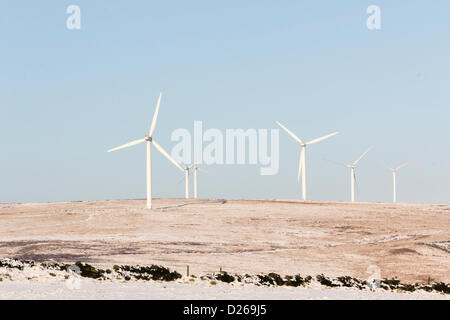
{"x": 149, "y": 139}
{"x": 302, "y": 159}
{"x": 394, "y": 180}
{"x": 186, "y": 170}
{"x": 352, "y": 167}
{"x": 196, "y": 168}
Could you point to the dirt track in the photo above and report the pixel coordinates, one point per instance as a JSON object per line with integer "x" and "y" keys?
{"x": 244, "y": 236}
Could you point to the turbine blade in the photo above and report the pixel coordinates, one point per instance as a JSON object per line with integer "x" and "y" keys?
{"x": 300, "y": 165}
{"x": 290, "y": 133}
{"x": 401, "y": 166}
{"x": 129, "y": 144}
{"x": 387, "y": 167}
{"x": 155, "y": 115}
{"x": 160, "y": 149}
{"x": 361, "y": 156}
{"x": 339, "y": 163}
{"x": 322, "y": 138}
{"x": 181, "y": 180}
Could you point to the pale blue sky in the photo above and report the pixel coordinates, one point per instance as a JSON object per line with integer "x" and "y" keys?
{"x": 67, "y": 96}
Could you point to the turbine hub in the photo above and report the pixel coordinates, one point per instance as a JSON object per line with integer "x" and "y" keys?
{"x": 147, "y": 138}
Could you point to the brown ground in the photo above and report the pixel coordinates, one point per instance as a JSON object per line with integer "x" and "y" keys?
{"x": 409, "y": 241}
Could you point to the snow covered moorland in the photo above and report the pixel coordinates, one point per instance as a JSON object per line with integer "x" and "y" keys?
{"x": 264, "y": 239}
{"x": 30, "y": 280}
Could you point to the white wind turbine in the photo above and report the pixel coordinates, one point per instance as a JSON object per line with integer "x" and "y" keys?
{"x": 187, "y": 172}
{"x": 302, "y": 159}
{"x": 352, "y": 167}
{"x": 149, "y": 139}
{"x": 394, "y": 180}
{"x": 196, "y": 168}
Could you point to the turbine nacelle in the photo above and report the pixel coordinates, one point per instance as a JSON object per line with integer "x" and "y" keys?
{"x": 186, "y": 167}
{"x": 394, "y": 170}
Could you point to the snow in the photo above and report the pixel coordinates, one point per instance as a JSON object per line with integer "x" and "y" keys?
{"x": 154, "y": 290}
{"x": 407, "y": 241}
{"x": 30, "y": 280}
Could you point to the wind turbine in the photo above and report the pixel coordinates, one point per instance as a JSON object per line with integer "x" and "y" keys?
{"x": 302, "y": 159}
{"x": 196, "y": 168}
{"x": 186, "y": 170}
{"x": 394, "y": 180}
{"x": 352, "y": 167}
{"x": 149, "y": 139}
